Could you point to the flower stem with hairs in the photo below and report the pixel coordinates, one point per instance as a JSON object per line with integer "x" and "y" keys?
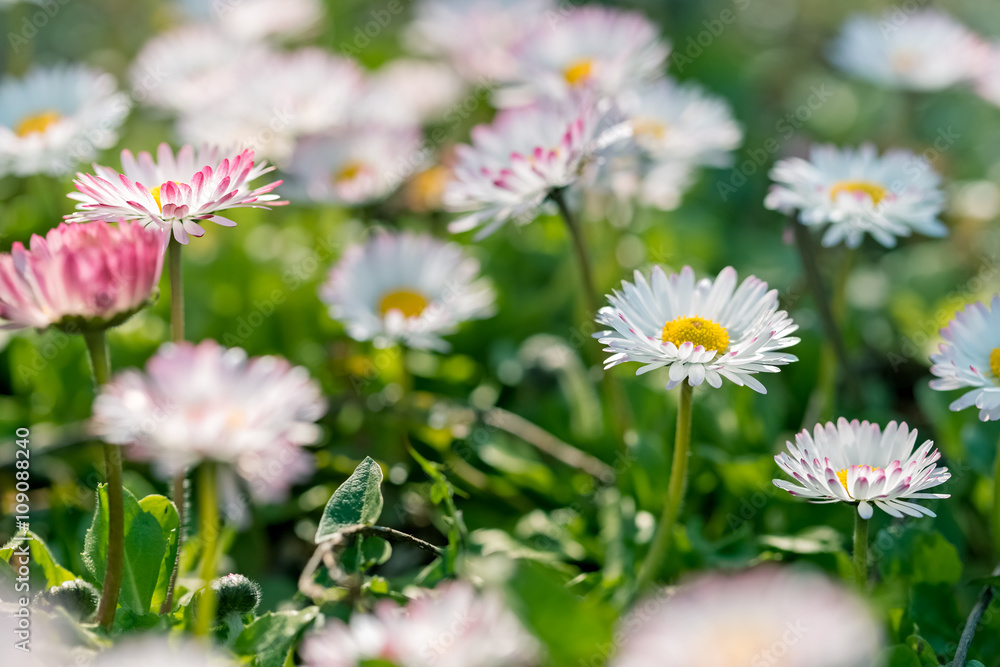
{"x": 860, "y": 550}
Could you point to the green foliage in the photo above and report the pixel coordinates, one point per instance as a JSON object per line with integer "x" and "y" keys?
{"x": 269, "y": 639}
{"x": 357, "y": 501}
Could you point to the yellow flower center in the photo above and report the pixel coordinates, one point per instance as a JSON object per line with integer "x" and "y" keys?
{"x": 156, "y": 195}
{"x": 578, "y": 72}
{"x": 650, "y": 128}
{"x": 408, "y": 302}
{"x": 903, "y": 62}
{"x": 427, "y": 188}
{"x": 995, "y": 362}
{"x": 36, "y": 123}
{"x": 348, "y": 172}
{"x": 873, "y": 190}
{"x": 696, "y": 330}
{"x": 842, "y": 476}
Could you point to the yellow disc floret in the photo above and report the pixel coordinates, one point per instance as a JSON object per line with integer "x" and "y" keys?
{"x": 348, "y": 172}
{"x": 406, "y": 301}
{"x": 36, "y": 123}
{"x": 995, "y": 362}
{"x": 578, "y": 72}
{"x": 698, "y": 331}
{"x": 875, "y": 191}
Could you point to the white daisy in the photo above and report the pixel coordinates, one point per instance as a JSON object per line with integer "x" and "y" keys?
{"x": 857, "y": 192}
{"x": 355, "y": 165}
{"x": 700, "y": 332}
{"x": 254, "y": 20}
{"x": 514, "y": 163}
{"x": 407, "y": 288}
{"x": 681, "y": 121}
{"x": 970, "y": 358}
{"x": 474, "y": 36}
{"x": 604, "y": 50}
{"x": 158, "y": 651}
{"x": 57, "y": 117}
{"x": 987, "y": 82}
{"x": 410, "y": 92}
{"x": 282, "y": 96}
{"x": 191, "y": 187}
{"x": 205, "y": 402}
{"x": 454, "y": 626}
{"x": 926, "y": 50}
{"x": 857, "y": 462}
{"x": 767, "y": 616}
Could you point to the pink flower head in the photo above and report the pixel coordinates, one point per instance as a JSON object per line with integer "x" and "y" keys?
{"x": 206, "y": 402}
{"x": 89, "y": 276}
{"x": 175, "y": 193}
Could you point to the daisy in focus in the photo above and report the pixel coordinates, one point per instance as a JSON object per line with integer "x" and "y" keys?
{"x": 205, "y": 402}
{"x": 857, "y": 192}
{"x": 759, "y": 617}
{"x": 56, "y": 117}
{"x": 703, "y": 331}
{"x": 926, "y": 50}
{"x": 174, "y": 193}
{"x": 515, "y": 163}
{"x": 474, "y": 36}
{"x": 858, "y": 462}
{"x": 454, "y": 626}
{"x": 970, "y": 359}
{"x": 80, "y": 277}
{"x": 606, "y": 51}
{"x": 406, "y": 288}
{"x": 356, "y": 165}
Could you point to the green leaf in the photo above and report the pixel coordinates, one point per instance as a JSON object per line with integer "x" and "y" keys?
{"x": 95, "y": 543}
{"x": 899, "y": 656}
{"x": 920, "y": 646}
{"x": 268, "y": 639}
{"x": 165, "y": 514}
{"x": 55, "y": 573}
{"x": 986, "y": 581}
{"x": 366, "y": 552}
{"x": 357, "y": 501}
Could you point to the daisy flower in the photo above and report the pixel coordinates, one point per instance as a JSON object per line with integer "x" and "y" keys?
{"x": 927, "y": 50}
{"x": 80, "y": 277}
{"x": 409, "y": 92}
{"x": 454, "y": 626}
{"x": 407, "y": 288}
{"x": 858, "y": 462}
{"x": 160, "y": 652}
{"x": 205, "y": 402}
{"x": 474, "y": 36}
{"x": 970, "y": 358}
{"x": 174, "y": 192}
{"x": 759, "y": 617}
{"x": 681, "y": 122}
{"x": 856, "y": 191}
{"x": 56, "y": 117}
{"x": 255, "y": 20}
{"x": 605, "y": 50}
{"x": 356, "y": 165}
{"x": 282, "y": 96}
{"x": 987, "y": 82}
{"x": 700, "y": 331}
{"x": 514, "y": 163}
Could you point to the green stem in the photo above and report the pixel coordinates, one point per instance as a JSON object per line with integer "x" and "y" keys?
{"x": 860, "y": 550}
{"x": 972, "y": 623}
{"x": 180, "y": 501}
{"x": 675, "y": 492}
{"x": 176, "y": 291}
{"x": 97, "y": 347}
{"x": 622, "y": 414}
{"x": 208, "y": 517}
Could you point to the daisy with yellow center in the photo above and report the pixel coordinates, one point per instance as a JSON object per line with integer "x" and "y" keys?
{"x": 579, "y": 72}
{"x": 854, "y": 192}
{"x": 969, "y": 358}
{"x": 37, "y": 123}
{"x": 406, "y": 288}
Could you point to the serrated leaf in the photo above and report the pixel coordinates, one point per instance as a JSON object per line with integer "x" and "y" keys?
{"x": 269, "y": 638}
{"x": 357, "y": 501}
{"x": 163, "y": 510}
{"x": 55, "y": 573}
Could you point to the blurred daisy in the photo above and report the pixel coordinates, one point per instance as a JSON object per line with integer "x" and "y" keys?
{"x": 681, "y": 122}
{"x": 282, "y": 96}
{"x": 605, "y": 50}
{"x": 987, "y": 82}
{"x": 174, "y": 193}
{"x": 857, "y": 192}
{"x": 758, "y": 617}
{"x": 356, "y": 165}
{"x": 407, "y": 288}
{"x": 80, "y": 277}
{"x": 700, "y": 331}
{"x": 204, "y": 68}
{"x": 514, "y": 163}
{"x": 255, "y": 20}
{"x": 970, "y": 358}
{"x": 410, "y": 92}
{"x": 857, "y": 462}
{"x": 160, "y": 652}
{"x": 205, "y": 402}
{"x": 475, "y": 36}
{"x": 454, "y": 626}
{"x": 926, "y": 50}
{"x": 424, "y": 190}
{"x": 57, "y": 117}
